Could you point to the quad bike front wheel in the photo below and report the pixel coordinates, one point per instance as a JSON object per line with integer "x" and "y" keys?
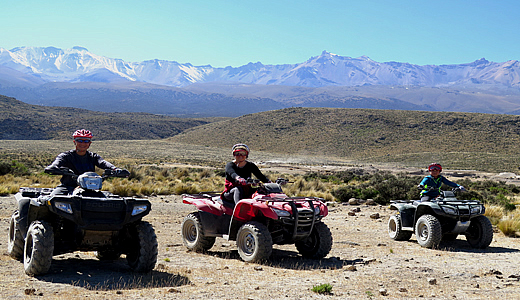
{"x": 428, "y": 231}
{"x": 480, "y": 232}
{"x": 193, "y": 234}
{"x": 15, "y": 241}
{"x": 318, "y": 244}
{"x": 395, "y": 229}
{"x": 38, "y": 249}
{"x": 254, "y": 242}
{"x": 142, "y": 254}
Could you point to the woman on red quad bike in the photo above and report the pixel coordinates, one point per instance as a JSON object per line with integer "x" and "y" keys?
{"x": 237, "y": 171}
{"x": 432, "y": 183}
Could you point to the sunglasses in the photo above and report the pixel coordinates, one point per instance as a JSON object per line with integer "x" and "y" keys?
{"x": 433, "y": 169}
{"x": 239, "y": 154}
{"x": 82, "y": 141}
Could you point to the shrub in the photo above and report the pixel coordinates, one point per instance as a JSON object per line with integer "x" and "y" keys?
{"x": 509, "y": 227}
{"x": 14, "y": 167}
{"x": 185, "y": 189}
{"x": 494, "y": 213}
{"x": 5, "y": 167}
{"x": 322, "y": 288}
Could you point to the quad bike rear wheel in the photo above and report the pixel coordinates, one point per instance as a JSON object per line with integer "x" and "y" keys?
{"x": 193, "y": 234}
{"x": 15, "y": 242}
{"x": 480, "y": 232}
{"x": 142, "y": 255}
{"x": 318, "y": 244}
{"x": 254, "y": 242}
{"x": 39, "y": 248}
{"x": 395, "y": 229}
{"x": 428, "y": 231}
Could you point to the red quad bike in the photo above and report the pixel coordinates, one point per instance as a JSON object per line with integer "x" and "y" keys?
{"x": 269, "y": 217}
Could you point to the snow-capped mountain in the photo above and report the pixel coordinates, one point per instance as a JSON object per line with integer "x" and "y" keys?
{"x": 79, "y": 65}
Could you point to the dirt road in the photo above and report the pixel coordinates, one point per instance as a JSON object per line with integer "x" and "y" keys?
{"x": 364, "y": 264}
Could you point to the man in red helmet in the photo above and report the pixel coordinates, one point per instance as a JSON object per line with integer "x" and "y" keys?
{"x": 435, "y": 181}
{"x": 79, "y": 160}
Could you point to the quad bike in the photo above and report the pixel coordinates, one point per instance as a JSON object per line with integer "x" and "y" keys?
{"x": 442, "y": 218}
{"x": 268, "y": 217}
{"x": 87, "y": 220}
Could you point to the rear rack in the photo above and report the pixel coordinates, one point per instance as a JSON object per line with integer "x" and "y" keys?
{"x": 292, "y": 199}
{"x": 34, "y": 192}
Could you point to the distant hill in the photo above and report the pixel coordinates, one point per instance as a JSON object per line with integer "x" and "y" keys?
{"x": 23, "y": 121}
{"x": 415, "y": 138}
{"x": 371, "y": 135}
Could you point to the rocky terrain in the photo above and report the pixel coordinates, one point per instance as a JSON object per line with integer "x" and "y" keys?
{"x": 364, "y": 264}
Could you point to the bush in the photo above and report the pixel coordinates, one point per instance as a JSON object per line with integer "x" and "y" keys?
{"x": 322, "y": 289}
{"x": 14, "y": 167}
{"x": 5, "y": 168}
{"x": 382, "y": 187}
{"x": 509, "y": 227}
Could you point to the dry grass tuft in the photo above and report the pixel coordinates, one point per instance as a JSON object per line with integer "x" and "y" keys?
{"x": 509, "y": 226}
{"x": 494, "y": 213}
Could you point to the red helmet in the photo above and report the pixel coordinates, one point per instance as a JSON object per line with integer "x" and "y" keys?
{"x": 435, "y": 166}
{"x": 82, "y": 133}
{"x": 240, "y": 147}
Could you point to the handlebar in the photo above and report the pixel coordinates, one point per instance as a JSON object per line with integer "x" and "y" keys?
{"x": 123, "y": 173}
{"x": 257, "y": 182}
{"x": 455, "y": 189}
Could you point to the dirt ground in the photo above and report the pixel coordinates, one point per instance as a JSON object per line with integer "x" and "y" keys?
{"x": 364, "y": 264}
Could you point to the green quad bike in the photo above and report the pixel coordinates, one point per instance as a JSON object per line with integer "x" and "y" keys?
{"x": 442, "y": 218}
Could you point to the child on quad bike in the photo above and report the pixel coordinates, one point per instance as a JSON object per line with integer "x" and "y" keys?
{"x": 237, "y": 171}
{"x": 432, "y": 183}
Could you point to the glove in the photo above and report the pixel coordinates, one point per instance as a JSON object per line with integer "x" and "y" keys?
{"x": 241, "y": 181}
{"x": 420, "y": 186}
{"x": 462, "y": 188}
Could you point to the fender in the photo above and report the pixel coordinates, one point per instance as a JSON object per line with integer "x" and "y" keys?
{"x": 205, "y": 205}
{"x": 247, "y": 209}
{"x": 324, "y": 210}
{"x": 407, "y": 212}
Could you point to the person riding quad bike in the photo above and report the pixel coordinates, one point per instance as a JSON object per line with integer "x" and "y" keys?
{"x": 237, "y": 172}
{"x": 440, "y": 215}
{"x": 79, "y": 160}
{"x": 431, "y": 184}
{"x": 79, "y": 216}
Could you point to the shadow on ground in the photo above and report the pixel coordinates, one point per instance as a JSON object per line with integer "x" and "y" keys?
{"x": 463, "y": 246}
{"x": 285, "y": 259}
{"x": 94, "y": 274}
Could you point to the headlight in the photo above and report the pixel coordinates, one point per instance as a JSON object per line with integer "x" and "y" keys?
{"x": 449, "y": 210}
{"x": 139, "y": 209}
{"x": 281, "y": 213}
{"x": 475, "y": 210}
{"x": 63, "y": 207}
{"x": 317, "y": 210}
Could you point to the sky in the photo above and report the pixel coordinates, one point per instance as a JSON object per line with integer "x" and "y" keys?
{"x": 233, "y": 33}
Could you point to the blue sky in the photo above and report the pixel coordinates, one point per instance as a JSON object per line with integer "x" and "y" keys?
{"x": 233, "y": 33}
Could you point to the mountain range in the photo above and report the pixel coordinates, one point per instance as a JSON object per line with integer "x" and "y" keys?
{"x": 78, "y": 78}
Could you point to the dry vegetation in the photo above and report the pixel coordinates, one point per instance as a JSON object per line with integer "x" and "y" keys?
{"x": 363, "y": 264}
{"x": 161, "y": 167}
